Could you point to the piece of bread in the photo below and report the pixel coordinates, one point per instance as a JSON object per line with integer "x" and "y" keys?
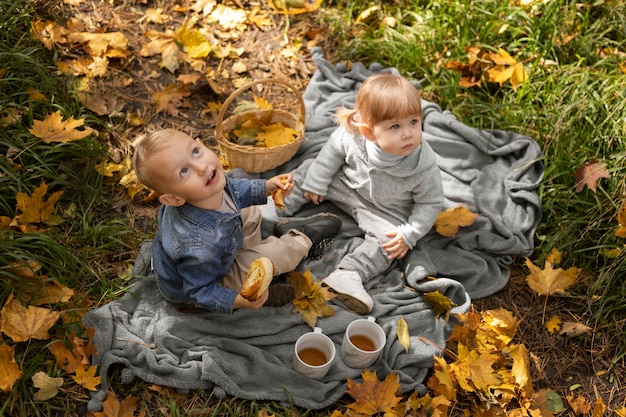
{"x": 278, "y": 195}
{"x": 258, "y": 279}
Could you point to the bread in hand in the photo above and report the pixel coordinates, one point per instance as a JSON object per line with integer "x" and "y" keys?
{"x": 258, "y": 279}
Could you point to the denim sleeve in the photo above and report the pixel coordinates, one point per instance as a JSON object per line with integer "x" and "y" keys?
{"x": 249, "y": 192}
{"x": 201, "y": 283}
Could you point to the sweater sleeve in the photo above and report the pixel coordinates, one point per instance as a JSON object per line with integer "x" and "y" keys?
{"x": 428, "y": 201}
{"x": 326, "y": 164}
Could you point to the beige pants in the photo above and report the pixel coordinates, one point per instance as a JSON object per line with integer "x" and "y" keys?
{"x": 286, "y": 252}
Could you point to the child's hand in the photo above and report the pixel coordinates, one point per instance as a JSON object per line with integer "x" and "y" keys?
{"x": 313, "y": 198}
{"x": 396, "y": 248}
{"x": 241, "y": 302}
{"x": 283, "y": 182}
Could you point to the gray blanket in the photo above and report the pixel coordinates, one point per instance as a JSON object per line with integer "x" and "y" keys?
{"x": 249, "y": 354}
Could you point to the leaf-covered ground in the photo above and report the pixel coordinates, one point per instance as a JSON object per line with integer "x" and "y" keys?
{"x": 148, "y": 83}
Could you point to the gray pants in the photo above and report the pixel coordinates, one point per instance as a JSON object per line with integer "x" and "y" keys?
{"x": 368, "y": 259}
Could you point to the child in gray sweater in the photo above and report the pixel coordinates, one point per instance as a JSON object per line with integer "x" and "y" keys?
{"x": 377, "y": 168}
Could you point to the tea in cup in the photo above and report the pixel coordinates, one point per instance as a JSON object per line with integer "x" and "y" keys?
{"x": 363, "y": 343}
{"x": 314, "y": 354}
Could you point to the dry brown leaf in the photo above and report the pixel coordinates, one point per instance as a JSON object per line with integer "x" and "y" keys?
{"x": 448, "y": 222}
{"x": 34, "y": 209}
{"x": 441, "y": 382}
{"x": 589, "y": 173}
{"x": 572, "y": 329}
{"x": 54, "y": 129}
{"x": 372, "y": 396}
{"x": 23, "y": 323}
{"x": 579, "y": 404}
{"x": 87, "y": 378}
{"x": 311, "y": 297}
{"x": 440, "y": 303}
{"x": 48, "y": 386}
{"x": 550, "y": 281}
{"x": 9, "y": 369}
{"x": 112, "y": 407}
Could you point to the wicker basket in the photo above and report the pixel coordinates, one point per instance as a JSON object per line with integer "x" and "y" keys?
{"x": 254, "y": 159}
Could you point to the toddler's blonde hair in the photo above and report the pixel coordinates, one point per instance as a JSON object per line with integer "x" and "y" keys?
{"x": 381, "y": 97}
{"x": 146, "y": 147}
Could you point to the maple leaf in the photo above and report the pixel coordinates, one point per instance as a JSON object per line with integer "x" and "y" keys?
{"x": 471, "y": 73}
{"x": 520, "y": 370}
{"x": 35, "y": 209}
{"x": 112, "y": 44}
{"x": 112, "y": 407}
{"x": 550, "y": 281}
{"x": 54, "y": 129}
{"x": 448, "y": 222}
{"x": 441, "y": 382}
{"x": 579, "y": 404}
{"x": 78, "y": 357}
{"x": 498, "y": 329}
{"x": 372, "y": 396}
{"x": 87, "y": 378}
{"x": 474, "y": 370}
{"x": 164, "y": 44}
{"x": 589, "y": 173}
{"x": 170, "y": 97}
{"x": 621, "y": 220}
{"x": 506, "y": 69}
{"x": 194, "y": 42}
{"x": 277, "y": 134}
{"x": 48, "y": 386}
{"x": 23, "y": 323}
{"x": 310, "y": 299}
{"x": 9, "y": 369}
{"x": 553, "y": 324}
{"x": 440, "y": 303}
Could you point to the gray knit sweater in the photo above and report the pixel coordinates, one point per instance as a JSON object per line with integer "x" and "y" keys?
{"x": 411, "y": 191}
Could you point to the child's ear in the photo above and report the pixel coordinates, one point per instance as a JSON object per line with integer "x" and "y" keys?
{"x": 366, "y": 131}
{"x": 171, "y": 200}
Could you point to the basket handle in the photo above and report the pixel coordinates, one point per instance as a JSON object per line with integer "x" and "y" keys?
{"x": 281, "y": 81}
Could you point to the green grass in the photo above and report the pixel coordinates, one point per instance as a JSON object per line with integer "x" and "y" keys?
{"x": 573, "y": 105}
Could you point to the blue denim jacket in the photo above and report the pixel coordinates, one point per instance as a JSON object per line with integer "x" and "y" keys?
{"x": 195, "y": 248}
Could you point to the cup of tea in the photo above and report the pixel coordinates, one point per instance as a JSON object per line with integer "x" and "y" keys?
{"x": 314, "y": 354}
{"x": 363, "y": 342}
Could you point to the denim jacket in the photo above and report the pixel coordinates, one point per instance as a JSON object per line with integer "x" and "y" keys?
{"x": 195, "y": 248}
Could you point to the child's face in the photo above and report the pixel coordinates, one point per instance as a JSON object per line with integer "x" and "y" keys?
{"x": 398, "y": 136}
{"x": 189, "y": 170}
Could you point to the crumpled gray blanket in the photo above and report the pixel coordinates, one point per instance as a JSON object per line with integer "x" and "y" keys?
{"x": 249, "y": 354}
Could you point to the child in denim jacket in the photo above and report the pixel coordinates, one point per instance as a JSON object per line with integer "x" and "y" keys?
{"x": 209, "y": 228}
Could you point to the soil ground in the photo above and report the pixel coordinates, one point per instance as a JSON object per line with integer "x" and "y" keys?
{"x": 568, "y": 365}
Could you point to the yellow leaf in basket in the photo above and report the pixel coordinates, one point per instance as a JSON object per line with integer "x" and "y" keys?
{"x": 277, "y": 134}
{"x": 262, "y": 104}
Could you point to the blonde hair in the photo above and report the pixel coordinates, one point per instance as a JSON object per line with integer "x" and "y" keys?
{"x": 381, "y": 97}
{"x": 146, "y": 147}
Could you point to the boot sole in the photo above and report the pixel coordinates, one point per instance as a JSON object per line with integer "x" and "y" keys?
{"x": 352, "y": 303}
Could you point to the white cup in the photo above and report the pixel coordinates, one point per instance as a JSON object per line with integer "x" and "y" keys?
{"x": 363, "y": 342}
{"x": 314, "y": 353}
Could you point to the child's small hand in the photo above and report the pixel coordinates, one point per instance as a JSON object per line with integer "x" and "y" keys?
{"x": 283, "y": 182}
{"x": 313, "y": 198}
{"x": 396, "y": 248}
{"x": 241, "y": 302}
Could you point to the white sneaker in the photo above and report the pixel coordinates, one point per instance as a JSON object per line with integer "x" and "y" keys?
{"x": 350, "y": 291}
